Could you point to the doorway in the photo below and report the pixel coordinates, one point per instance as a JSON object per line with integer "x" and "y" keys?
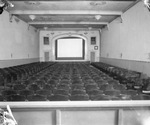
{"x": 46, "y": 56}
{"x": 92, "y": 57}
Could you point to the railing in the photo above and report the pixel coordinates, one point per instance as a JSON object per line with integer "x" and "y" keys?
{"x": 80, "y": 112}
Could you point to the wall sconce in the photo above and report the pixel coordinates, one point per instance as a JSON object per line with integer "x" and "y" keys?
{"x": 95, "y": 47}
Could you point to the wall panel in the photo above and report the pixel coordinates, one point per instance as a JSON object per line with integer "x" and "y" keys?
{"x": 81, "y": 112}
{"x": 19, "y": 42}
{"x": 139, "y": 66}
{"x": 126, "y": 44}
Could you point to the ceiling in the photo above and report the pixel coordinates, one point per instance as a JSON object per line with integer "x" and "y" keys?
{"x": 69, "y": 14}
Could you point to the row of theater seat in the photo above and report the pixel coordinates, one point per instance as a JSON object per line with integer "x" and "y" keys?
{"x": 117, "y": 72}
{"x": 22, "y": 71}
{"x": 69, "y": 81}
{"x": 131, "y": 79}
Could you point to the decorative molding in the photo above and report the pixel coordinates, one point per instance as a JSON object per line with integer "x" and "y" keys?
{"x": 125, "y": 59}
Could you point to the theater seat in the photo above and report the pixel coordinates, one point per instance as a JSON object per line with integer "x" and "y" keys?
{"x": 1, "y": 98}
{"x": 19, "y": 87}
{"x": 44, "y": 92}
{"x": 88, "y": 84}
{"x": 47, "y": 87}
{"x": 101, "y": 82}
{"x": 106, "y": 87}
{"x": 91, "y": 87}
{"x": 26, "y": 82}
{"x": 113, "y": 82}
{"x": 112, "y": 92}
{"x": 78, "y": 92}
{"x": 26, "y": 92}
{"x": 77, "y": 87}
{"x": 79, "y": 97}
{"x": 40, "y": 83}
{"x": 58, "y": 97}
{"x": 15, "y": 98}
{"x": 125, "y": 97}
{"x": 77, "y": 81}
{"x": 8, "y": 92}
{"x": 129, "y": 92}
{"x": 119, "y": 87}
{"x": 63, "y": 87}
{"x": 95, "y": 92}
{"x": 52, "y": 82}
{"x": 101, "y": 97}
{"x": 61, "y": 92}
{"x": 33, "y": 87}
{"x": 65, "y": 82}
{"x": 141, "y": 97}
{"x": 36, "y": 98}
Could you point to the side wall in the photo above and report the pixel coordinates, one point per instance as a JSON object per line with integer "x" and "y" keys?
{"x": 57, "y": 34}
{"x": 19, "y": 43}
{"x": 127, "y": 44}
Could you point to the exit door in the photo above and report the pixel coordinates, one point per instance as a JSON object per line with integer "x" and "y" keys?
{"x": 46, "y": 56}
{"x": 92, "y": 56}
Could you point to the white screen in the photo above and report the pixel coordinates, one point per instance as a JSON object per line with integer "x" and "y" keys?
{"x": 69, "y": 48}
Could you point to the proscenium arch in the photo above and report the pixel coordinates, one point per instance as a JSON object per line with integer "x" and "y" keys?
{"x": 69, "y": 36}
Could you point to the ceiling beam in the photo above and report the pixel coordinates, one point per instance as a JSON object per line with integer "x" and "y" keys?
{"x": 65, "y": 12}
{"x": 100, "y": 23}
{"x": 71, "y": 29}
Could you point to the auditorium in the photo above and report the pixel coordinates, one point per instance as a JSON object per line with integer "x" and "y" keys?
{"x": 84, "y": 62}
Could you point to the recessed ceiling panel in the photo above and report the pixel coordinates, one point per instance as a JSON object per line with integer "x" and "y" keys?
{"x": 69, "y": 13}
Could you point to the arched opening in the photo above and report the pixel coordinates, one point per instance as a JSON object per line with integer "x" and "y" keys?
{"x": 68, "y": 47}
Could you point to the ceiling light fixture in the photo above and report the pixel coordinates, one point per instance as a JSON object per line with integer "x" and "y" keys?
{"x": 32, "y": 17}
{"x": 97, "y": 17}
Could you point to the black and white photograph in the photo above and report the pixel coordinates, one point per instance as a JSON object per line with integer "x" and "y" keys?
{"x": 74, "y": 62}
